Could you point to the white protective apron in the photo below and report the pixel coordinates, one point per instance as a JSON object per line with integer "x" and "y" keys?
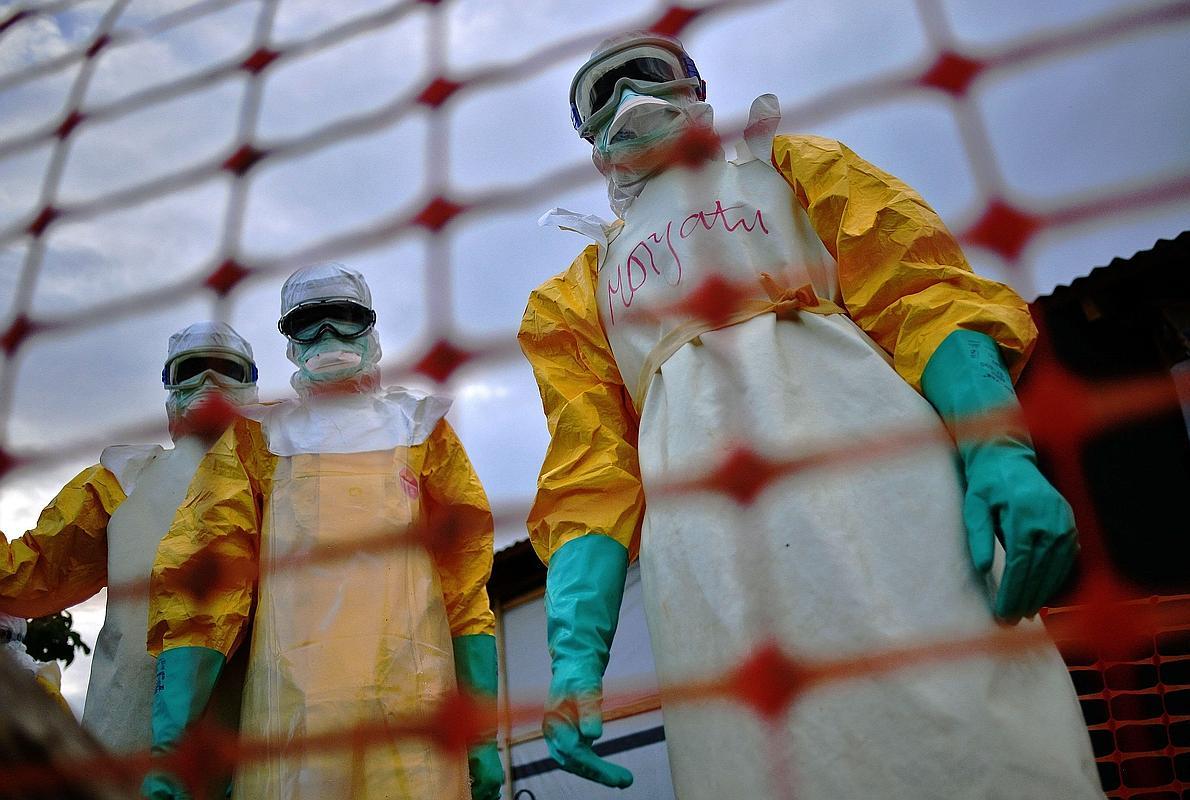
{"x": 120, "y": 691}
{"x": 850, "y": 559}
{"x": 358, "y": 640}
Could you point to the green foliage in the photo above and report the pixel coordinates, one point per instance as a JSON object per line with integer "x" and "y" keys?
{"x": 54, "y": 638}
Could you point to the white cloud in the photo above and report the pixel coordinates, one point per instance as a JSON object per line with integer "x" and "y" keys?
{"x": 109, "y": 257}
{"x": 367, "y": 72}
{"x": 138, "y": 12}
{"x": 21, "y": 178}
{"x": 984, "y": 24}
{"x": 481, "y": 33}
{"x": 802, "y": 50}
{"x": 514, "y": 133}
{"x": 142, "y": 63}
{"x": 31, "y": 42}
{"x": 34, "y": 104}
{"x": 918, "y": 133}
{"x": 1114, "y": 115}
{"x": 500, "y": 258}
{"x": 11, "y": 257}
{"x": 88, "y": 618}
{"x": 152, "y": 142}
{"x": 72, "y": 387}
{"x": 303, "y": 19}
{"x": 481, "y": 392}
{"x": 502, "y": 427}
{"x": 297, "y": 202}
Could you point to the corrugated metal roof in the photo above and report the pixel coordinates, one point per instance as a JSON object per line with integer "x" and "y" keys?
{"x": 1158, "y": 273}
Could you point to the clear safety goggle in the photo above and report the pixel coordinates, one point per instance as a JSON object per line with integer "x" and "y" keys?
{"x": 343, "y": 318}
{"x": 596, "y": 122}
{"x": 646, "y": 69}
{"x": 187, "y": 369}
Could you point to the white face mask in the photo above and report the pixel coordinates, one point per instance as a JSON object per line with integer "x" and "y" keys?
{"x": 638, "y": 116}
{"x": 332, "y": 361}
{"x": 329, "y": 361}
{"x": 181, "y": 402}
{"x": 634, "y": 146}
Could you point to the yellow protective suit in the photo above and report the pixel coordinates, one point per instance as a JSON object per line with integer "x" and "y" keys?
{"x": 835, "y": 561}
{"x": 102, "y": 527}
{"x": 53, "y": 688}
{"x": 359, "y": 638}
{"x": 63, "y": 559}
{"x": 904, "y": 281}
{"x": 13, "y": 630}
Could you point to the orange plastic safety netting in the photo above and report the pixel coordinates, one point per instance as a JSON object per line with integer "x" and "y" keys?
{"x": 1128, "y": 657}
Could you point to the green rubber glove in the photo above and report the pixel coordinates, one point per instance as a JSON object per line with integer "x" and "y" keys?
{"x": 475, "y": 668}
{"x": 583, "y": 590}
{"x": 1006, "y": 494}
{"x": 185, "y": 678}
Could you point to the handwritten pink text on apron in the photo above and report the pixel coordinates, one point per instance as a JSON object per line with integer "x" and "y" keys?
{"x": 642, "y": 258}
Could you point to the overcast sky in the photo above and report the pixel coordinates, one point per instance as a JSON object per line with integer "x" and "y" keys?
{"x": 1081, "y": 125}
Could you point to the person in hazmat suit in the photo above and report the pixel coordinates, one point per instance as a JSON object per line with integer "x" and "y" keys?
{"x": 12, "y": 645}
{"x": 846, "y": 314}
{"x": 103, "y": 527}
{"x": 348, "y": 527}
{"x": 42, "y": 745}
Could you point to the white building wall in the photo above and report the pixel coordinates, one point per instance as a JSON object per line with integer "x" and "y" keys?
{"x": 633, "y": 733}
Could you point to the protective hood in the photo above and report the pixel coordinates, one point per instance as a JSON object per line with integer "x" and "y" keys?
{"x": 12, "y": 642}
{"x": 344, "y": 364}
{"x": 13, "y": 628}
{"x": 634, "y": 99}
{"x": 211, "y": 338}
{"x": 208, "y": 336}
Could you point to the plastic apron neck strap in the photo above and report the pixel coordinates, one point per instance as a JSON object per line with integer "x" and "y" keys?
{"x": 595, "y": 228}
{"x": 126, "y": 461}
{"x": 763, "y": 119}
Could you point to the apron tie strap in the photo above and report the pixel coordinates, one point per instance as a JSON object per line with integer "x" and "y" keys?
{"x": 785, "y": 302}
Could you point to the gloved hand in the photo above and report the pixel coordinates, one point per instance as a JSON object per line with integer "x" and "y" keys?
{"x": 475, "y": 668}
{"x": 185, "y": 678}
{"x": 487, "y": 773}
{"x": 160, "y": 786}
{"x": 583, "y": 590}
{"x": 1006, "y": 494}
